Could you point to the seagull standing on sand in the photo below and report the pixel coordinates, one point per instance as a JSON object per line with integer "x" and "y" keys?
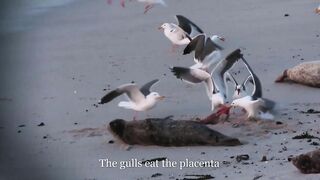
{"x": 182, "y": 33}
{"x": 207, "y": 52}
{"x": 254, "y": 104}
{"x": 139, "y": 99}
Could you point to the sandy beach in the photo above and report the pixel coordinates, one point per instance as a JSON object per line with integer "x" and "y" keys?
{"x": 59, "y": 59}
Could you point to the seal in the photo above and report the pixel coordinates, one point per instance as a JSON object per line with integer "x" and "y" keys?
{"x": 308, "y": 163}
{"x": 168, "y": 132}
{"x": 307, "y": 73}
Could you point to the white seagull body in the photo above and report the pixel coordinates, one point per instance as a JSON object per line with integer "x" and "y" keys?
{"x": 140, "y": 99}
{"x": 182, "y": 33}
{"x": 254, "y": 104}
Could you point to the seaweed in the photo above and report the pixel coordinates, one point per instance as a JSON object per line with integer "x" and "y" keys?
{"x": 305, "y": 135}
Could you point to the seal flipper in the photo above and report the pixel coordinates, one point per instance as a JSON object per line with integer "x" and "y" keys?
{"x": 282, "y": 77}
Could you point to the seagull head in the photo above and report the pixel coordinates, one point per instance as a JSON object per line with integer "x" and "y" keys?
{"x": 217, "y": 39}
{"x": 155, "y": 96}
{"x": 164, "y": 26}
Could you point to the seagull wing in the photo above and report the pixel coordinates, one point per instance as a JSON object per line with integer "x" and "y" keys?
{"x": 257, "y": 90}
{"x": 188, "y": 26}
{"x": 145, "y": 89}
{"x": 222, "y": 67}
{"x": 197, "y": 45}
{"x": 230, "y": 77}
{"x": 191, "y": 75}
{"x": 131, "y": 90}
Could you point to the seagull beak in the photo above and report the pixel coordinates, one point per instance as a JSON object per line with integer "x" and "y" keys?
{"x": 222, "y": 39}
{"x": 161, "y": 97}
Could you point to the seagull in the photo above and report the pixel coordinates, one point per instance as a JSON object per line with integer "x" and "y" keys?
{"x": 206, "y": 50}
{"x": 214, "y": 82}
{"x": 139, "y": 99}
{"x": 194, "y": 76}
{"x": 240, "y": 90}
{"x": 255, "y": 105}
{"x": 182, "y": 33}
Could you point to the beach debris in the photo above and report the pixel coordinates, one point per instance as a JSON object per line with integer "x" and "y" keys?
{"x": 310, "y": 111}
{"x": 264, "y": 158}
{"x": 242, "y": 157}
{"x": 156, "y": 175}
{"x": 197, "y": 177}
{"x": 168, "y": 132}
{"x": 305, "y": 135}
{"x": 307, "y": 73}
{"x": 22, "y": 125}
{"x": 257, "y": 177}
{"x": 41, "y": 124}
{"x": 308, "y": 163}
{"x": 286, "y": 15}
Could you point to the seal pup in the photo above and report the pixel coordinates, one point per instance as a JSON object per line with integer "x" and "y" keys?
{"x": 168, "y": 132}
{"x": 307, "y": 73}
{"x": 140, "y": 99}
{"x": 308, "y": 163}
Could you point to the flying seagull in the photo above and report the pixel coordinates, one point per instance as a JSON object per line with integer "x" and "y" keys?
{"x": 207, "y": 52}
{"x": 140, "y": 99}
{"x": 214, "y": 83}
{"x": 182, "y": 33}
{"x": 255, "y": 105}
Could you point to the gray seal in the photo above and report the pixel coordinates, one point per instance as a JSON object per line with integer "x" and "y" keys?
{"x": 307, "y": 73}
{"x": 168, "y": 132}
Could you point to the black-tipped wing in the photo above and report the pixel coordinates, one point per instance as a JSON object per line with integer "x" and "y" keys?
{"x": 195, "y": 76}
{"x": 110, "y": 96}
{"x": 230, "y": 77}
{"x": 196, "y": 44}
{"x": 257, "y": 90}
{"x": 145, "y": 89}
{"x": 185, "y": 74}
{"x": 188, "y": 26}
{"x": 203, "y": 47}
{"x": 132, "y": 91}
{"x": 222, "y": 67}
